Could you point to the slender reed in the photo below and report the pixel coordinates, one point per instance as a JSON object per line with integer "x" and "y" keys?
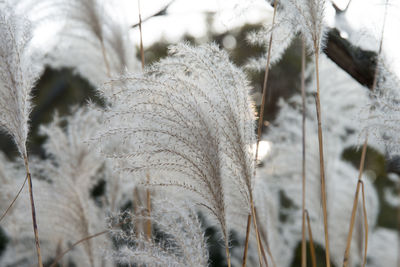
{"x": 141, "y": 37}
{"x": 303, "y": 165}
{"x": 148, "y": 197}
{"x": 62, "y": 254}
{"x": 311, "y": 240}
{"x": 80, "y": 241}
{"x": 103, "y": 52}
{"x": 322, "y": 168}
{"x": 15, "y": 198}
{"x": 148, "y": 204}
{"x": 398, "y": 229}
{"x": 365, "y": 225}
{"x": 354, "y": 210}
{"x": 264, "y": 235}
{"x": 246, "y": 243}
{"x": 265, "y": 83}
{"x": 352, "y": 221}
{"x": 34, "y": 223}
{"x": 253, "y": 215}
{"x": 228, "y": 256}
{"x": 361, "y": 169}
{"x": 259, "y": 131}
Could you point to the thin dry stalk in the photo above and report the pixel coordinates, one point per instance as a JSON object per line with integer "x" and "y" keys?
{"x": 398, "y": 228}
{"x": 148, "y": 202}
{"x": 303, "y": 165}
{"x": 15, "y": 198}
{"x": 34, "y": 223}
{"x": 360, "y": 184}
{"x": 263, "y": 252}
{"x": 361, "y": 168}
{"x": 265, "y": 83}
{"x": 246, "y": 243}
{"x": 103, "y": 51}
{"x": 260, "y": 250}
{"x": 228, "y": 255}
{"x": 136, "y": 203}
{"x": 259, "y": 131}
{"x": 311, "y": 240}
{"x": 263, "y": 234}
{"x": 321, "y": 160}
{"x": 141, "y": 37}
{"x": 355, "y": 203}
{"x": 59, "y": 250}
{"x": 59, "y": 257}
{"x": 365, "y": 225}
{"x": 380, "y": 48}
{"x": 148, "y": 197}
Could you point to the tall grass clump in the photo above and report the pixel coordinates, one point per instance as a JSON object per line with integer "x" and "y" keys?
{"x": 343, "y": 99}
{"x": 184, "y": 129}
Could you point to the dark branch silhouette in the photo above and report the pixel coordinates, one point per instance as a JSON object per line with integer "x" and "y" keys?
{"x": 161, "y": 12}
{"x": 359, "y": 63}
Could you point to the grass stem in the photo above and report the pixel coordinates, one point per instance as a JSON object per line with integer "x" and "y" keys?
{"x": 361, "y": 168}
{"x": 365, "y": 225}
{"x": 246, "y": 243}
{"x": 265, "y": 83}
{"x": 148, "y": 197}
{"x": 34, "y": 223}
{"x": 259, "y": 131}
{"x": 228, "y": 255}
{"x": 103, "y": 51}
{"x": 354, "y": 210}
{"x": 59, "y": 257}
{"x": 303, "y": 165}
{"x": 263, "y": 234}
{"x": 148, "y": 204}
{"x": 321, "y": 159}
{"x": 15, "y": 198}
{"x": 260, "y": 250}
{"x": 311, "y": 240}
{"x": 141, "y": 37}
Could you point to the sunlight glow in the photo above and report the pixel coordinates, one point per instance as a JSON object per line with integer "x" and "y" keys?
{"x": 263, "y": 149}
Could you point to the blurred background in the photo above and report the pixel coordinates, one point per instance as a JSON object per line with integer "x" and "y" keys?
{"x": 226, "y": 23}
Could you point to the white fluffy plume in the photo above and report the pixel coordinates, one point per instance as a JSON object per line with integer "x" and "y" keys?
{"x": 189, "y": 123}
{"x": 18, "y": 74}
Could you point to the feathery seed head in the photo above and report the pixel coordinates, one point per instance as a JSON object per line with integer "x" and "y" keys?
{"x": 189, "y": 123}
{"x": 18, "y": 74}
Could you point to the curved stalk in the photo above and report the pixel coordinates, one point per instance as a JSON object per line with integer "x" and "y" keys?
{"x": 15, "y": 199}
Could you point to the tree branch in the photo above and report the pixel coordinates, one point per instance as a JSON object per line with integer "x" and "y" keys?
{"x": 359, "y": 63}
{"x": 161, "y": 12}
